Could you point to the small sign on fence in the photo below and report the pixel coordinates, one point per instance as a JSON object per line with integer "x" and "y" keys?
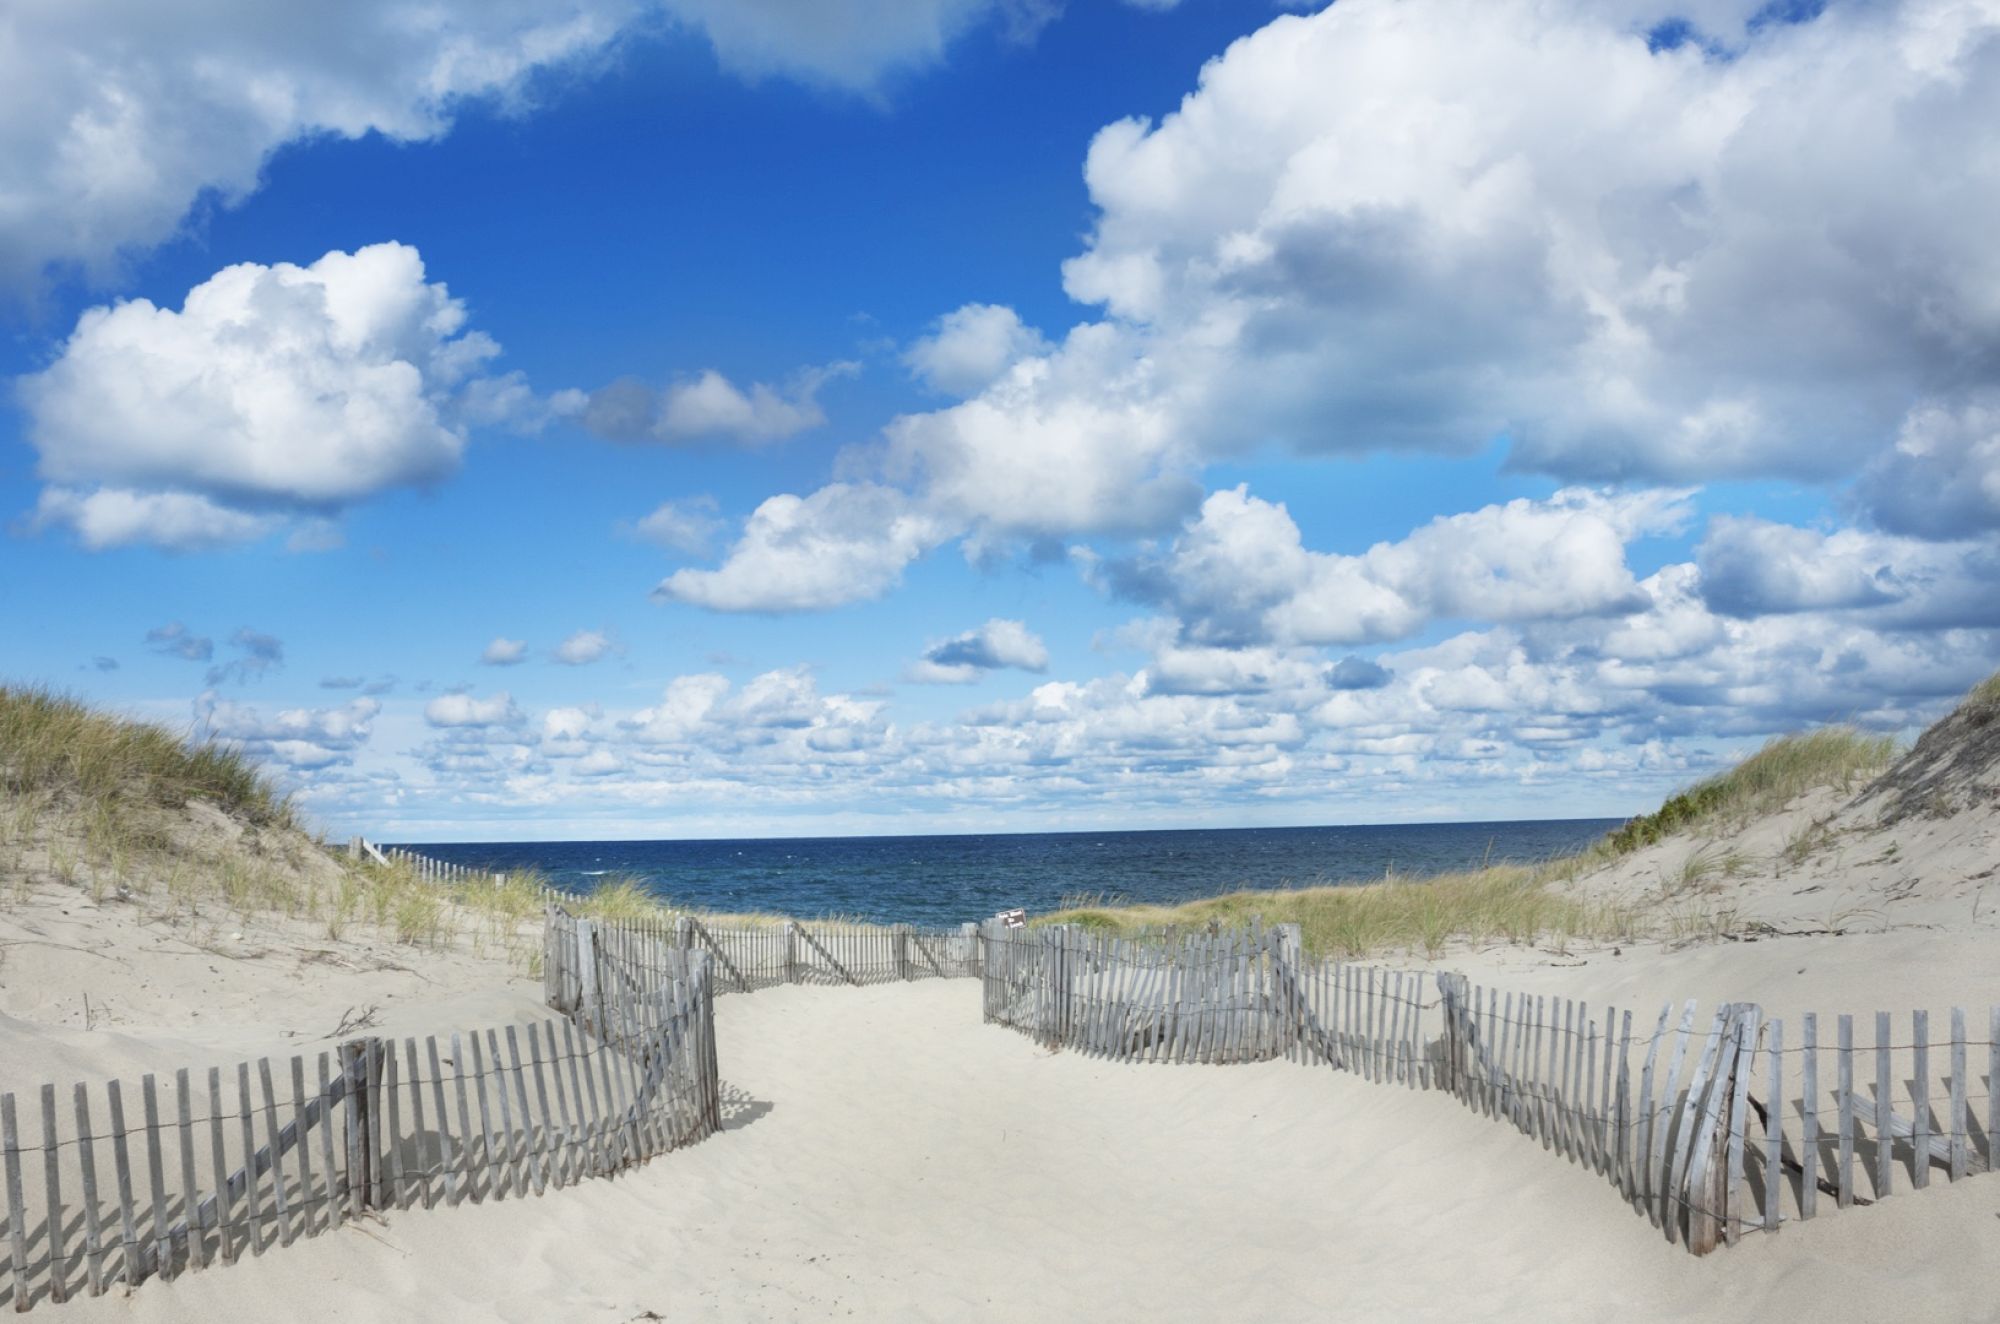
{"x": 1014, "y": 919}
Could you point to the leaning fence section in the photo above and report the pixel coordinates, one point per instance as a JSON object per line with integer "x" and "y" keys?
{"x": 111, "y": 1183}
{"x": 1730, "y": 1122}
{"x": 1710, "y": 1125}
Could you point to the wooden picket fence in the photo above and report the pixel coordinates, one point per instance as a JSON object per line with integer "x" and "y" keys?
{"x": 432, "y": 870}
{"x": 201, "y": 1174}
{"x": 748, "y": 958}
{"x": 756, "y": 956}
{"x": 1709, "y": 1129}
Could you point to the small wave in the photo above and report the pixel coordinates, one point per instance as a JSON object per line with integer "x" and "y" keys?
{"x": 593, "y": 873}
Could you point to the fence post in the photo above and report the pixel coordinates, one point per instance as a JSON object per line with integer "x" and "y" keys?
{"x": 968, "y": 941}
{"x": 357, "y": 1057}
{"x": 1450, "y": 995}
{"x": 902, "y": 951}
{"x": 1291, "y": 951}
{"x": 791, "y": 951}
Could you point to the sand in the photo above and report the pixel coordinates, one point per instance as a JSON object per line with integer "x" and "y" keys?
{"x": 888, "y": 1156}
{"x": 95, "y": 989}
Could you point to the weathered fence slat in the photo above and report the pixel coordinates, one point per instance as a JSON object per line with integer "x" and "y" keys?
{"x": 121, "y": 1159}
{"x": 17, "y": 1204}
{"x": 184, "y": 1129}
{"x": 334, "y": 1191}
{"x": 447, "y": 1169}
{"x": 1808, "y": 1117}
{"x": 217, "y": 1153}
{"x": 279, "y": 1203}
{"x": 1846, "y": 1105}
{"x": 1920, "y": 1148}
{"x": 1885, "y": 1161}
{"x": 93, "y": 1236}
{"x": 1960, "y": 1164}
{"x": 52, "y": 1180}
{"x": 1774, "y": 1125}
{"x": 301, "y": 1125}
{"x": 156, "y": 1176}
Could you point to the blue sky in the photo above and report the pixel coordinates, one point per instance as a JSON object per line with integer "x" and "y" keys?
{"x": 681, "y": 419}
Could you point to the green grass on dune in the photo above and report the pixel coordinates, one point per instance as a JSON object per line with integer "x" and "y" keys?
{"x": 1784, "y": 769}
{"x": 1500, "y": 903}
{"x": 51, "y": 744}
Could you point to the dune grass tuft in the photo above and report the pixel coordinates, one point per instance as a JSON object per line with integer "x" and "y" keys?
{"x": 1784, "y": 769}
{"x": 52, "y": 745}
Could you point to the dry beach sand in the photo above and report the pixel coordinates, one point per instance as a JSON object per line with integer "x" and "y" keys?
{"x": 887, "y": 1156}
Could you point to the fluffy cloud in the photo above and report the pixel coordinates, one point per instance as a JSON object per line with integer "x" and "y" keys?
{"x": 711, "y": 407}
{"x": 302, "y": 739}
{"x": 971, "y": 347}
{"x": 1421, "y": 225}
{"x": 1425, "y": 226}
{"x": 1753, "y": 567}
{"x": 582, "y": 648}
{"x": 272, "y": 391}
{"x": 1240, "y": 574}
{"x": 504, "y": 652}
{"x": 1082, "y": 439}
{"x": 115, "y": 517}
{"x": 1941, "y": 479}
{"x": 844, "y": 543}
{"x": 775, "y": 716}
{"x": 963, "y": 658}
{"x": 463, "y": 710}
{"x": 115, "y": 115}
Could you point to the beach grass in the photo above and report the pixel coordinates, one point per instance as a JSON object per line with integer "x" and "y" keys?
{"x": 1784, "y": 769}
{"x": 53, "y": 745}
{"x": 1499, "y": 903}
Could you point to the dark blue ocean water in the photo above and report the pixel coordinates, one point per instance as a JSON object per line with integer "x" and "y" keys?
{"x": 947, "y": 880}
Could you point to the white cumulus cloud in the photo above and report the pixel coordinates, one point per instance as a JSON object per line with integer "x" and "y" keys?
{"x": 463, "y": 710}
{"x": 302, "y": 739}
{"x": 844, "y": 543}
{"x": 273, "y": 390}
{"x": 504, "y": 652}
{"x": 1241, "y": 574}
{"x": 970, "y": 347}
{"x": 583, "y": 648}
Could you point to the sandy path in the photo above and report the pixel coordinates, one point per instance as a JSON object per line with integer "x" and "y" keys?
{"x": 890, "y": 1157}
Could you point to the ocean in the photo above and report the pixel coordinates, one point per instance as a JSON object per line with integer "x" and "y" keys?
{"x": 946, "y": 880}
